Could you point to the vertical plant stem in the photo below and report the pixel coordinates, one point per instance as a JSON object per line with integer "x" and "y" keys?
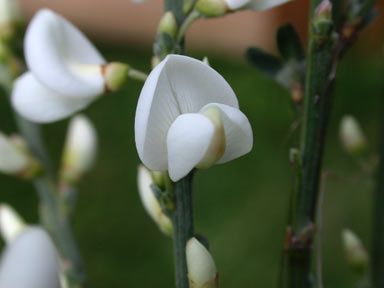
{"x": 176, "y": 6}
{"x": 183, "y": 227}
{"x": 378, "y": 215}
{"x": 59, "y": 227}
{"x": 56, "y": 223}
{"x": 317, "y": 105}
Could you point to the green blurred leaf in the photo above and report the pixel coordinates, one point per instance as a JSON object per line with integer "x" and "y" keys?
{"x": 289, "y": 44}
{"x": 266, "y": 63}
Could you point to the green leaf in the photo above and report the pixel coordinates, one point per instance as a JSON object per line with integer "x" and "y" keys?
{"x": 266, "y": 63}
{"x": 289, "y": 44}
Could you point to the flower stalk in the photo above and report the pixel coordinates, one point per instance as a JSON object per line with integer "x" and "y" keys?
{"x": 57, "y": 224}
{"x": 325, "y": 48}
{"x": 183, "y": 227}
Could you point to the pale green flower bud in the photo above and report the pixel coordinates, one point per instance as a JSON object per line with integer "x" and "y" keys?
{"x": 80, "y": 149}
{"x": 9, "y": 16}
{"x": 115, "y": 75}
{"x": 15, "y": 158}
{"x": 11, "y": 224}
{"x": 202, "y": 271}
{"x": 352, "y": 136}
{"x": 168, "y": 24}
{"x": 356, "y": 254}
{"x": 212, "y": 8}
{"x": 150, "y": 202}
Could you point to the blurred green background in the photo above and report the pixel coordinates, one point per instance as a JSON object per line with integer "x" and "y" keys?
{"x": 241, "y": 207}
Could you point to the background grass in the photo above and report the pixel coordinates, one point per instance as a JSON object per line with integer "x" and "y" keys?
{"x": 241, "y": 207}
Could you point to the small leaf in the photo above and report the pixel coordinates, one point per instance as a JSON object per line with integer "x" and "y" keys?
{"x": 266, "y": 63}
{"x": 289, "y": 44}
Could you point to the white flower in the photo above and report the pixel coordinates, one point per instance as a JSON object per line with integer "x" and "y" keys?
{"x": 188, "y": 116}
{"x": 150, "y": 203}
{"x": 66, "y": 72}
{"x": 254, "y": 4}
{"x": 202, "y": 271}
{"x": 12, "y": 159}
{"x": 30, "y": 261}
{"x": 80, "y": 147}
{"x": 11, "y": 224}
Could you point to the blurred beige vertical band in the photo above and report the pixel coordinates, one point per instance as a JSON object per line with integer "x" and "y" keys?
{"x": 121, "y": 21}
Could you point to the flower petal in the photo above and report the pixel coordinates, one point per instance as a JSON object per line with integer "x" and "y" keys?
{"x": 188, "y": 141}
{"x": 265, "y": 4}
{"x": 254, "y": 4}
{"x": 238, "y": 132}
{"x": 30, "y": 261}
{"x": 12, "y": 160}
{"x": 179, "y": 84}
{"x": 38, "y": 103}
{"x": 61, "y": 56}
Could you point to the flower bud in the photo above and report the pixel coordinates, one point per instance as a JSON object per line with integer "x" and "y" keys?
{"x": 15, "y": 158}
{"x": 212, "y": 8}
{"x": 79, "y": 150}
{"x": 9, "y": 16}
{"x": 356, "y": 254}
{"x": 202, "y": 271}
{"x": 115, "y": 74}
{"x": 206, "y": 60}
{"x": 322, "y": 22}
{"x": 11, "y": 224}
{"x": 168, "y": 24}
{"x": 352, "y": 136}
{"x": 150, "y": 202}
{"x": 31, "y": 260}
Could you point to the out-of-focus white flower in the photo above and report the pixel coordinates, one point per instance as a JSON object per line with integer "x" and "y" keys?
{"x": 351, "y": 135}
{"x": 214, "y": 8}
{"x": 12, "y": 159}
{"x": 30, "y": 261}
{"x": 357, "y": 256}
{"x": 66, "y": 72}
{"x": 202, "y": 271}
{"x": 11, "y": 224}
{"x": 150, "y": 203}
{"x": 188, "y": 116}
{"x": 80, "y": 148}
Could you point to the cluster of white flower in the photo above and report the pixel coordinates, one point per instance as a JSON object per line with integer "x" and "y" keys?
{"x": 187, "y": 117}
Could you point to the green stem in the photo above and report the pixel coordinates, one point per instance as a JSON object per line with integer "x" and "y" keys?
{"x": 57, "y": 224}
{"x": 194, "y": 15}
{"x": 176, "y": 6}
{"x": 183, "y": 227}
{"x": 321, "y": 64}
{"x": 59, "y": 227}
{"x": 377, "y": 255}
{"x": 137, "y": 75}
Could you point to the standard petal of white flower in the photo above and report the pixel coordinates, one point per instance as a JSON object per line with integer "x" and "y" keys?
{"x": 30, "y": 261}
{"x": 179, "y": 84}
{"x": 12, "y": 160}
{"x": 150, "y": 203}
{"x": 254, "y": 4}
{"x": 61, "y": 57}
{"x": 81, "y": 145}
{"x": 238, "y": 132}
{"x": 202, "y": 271}
{"x": 188, "y": 141}
{"x": 38, "y": 103}
{"x": 11, "y": 224}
